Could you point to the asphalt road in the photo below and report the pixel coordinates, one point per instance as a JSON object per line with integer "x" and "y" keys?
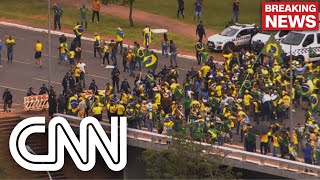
{"x": 22, "y": 73}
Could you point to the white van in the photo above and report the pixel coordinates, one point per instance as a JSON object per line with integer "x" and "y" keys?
{"x": 265, "y": 35}
{"x": 302, "y": 42}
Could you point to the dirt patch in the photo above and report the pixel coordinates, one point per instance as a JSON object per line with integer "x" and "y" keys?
{"x": 145, "y": 18}
{"x": 40, "y": 16}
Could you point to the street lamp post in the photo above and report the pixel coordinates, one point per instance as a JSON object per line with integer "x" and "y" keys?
{"x": 49, "y": 40}
{"x": 290, "y": 109}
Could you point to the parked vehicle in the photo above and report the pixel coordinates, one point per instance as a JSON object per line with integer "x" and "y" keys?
{"x": 234, "y": 37}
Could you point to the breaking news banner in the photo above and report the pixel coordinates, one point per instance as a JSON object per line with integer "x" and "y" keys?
{"x": 161, "y": 89}
{"x": 290, "y": 15}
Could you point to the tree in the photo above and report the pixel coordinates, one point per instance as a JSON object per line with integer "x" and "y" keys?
{"x": 130, "y": 12}
{"x": 185, "y": 159}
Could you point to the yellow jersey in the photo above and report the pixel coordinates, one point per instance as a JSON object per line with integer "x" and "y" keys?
{"x": 77, "y": 72}
{"x": 205, "y": 69}
{"x": 38, "y": 47}
{"x": 72, "y": 54}
{"x": 246, "y": 99}
{"x": 264, "y": 138}
{"x": 120, "y": 110}
{"x": 97, "y": 110}
{"x": 157, "y": 98}
{"x": 275, "y": 141}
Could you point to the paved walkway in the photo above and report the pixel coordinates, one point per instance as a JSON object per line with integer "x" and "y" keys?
{"x": 145, "y": 18}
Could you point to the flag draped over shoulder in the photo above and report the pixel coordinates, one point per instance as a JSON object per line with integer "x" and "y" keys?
{"x": 178, "y": 93}
{"x": 150, "y": 61}
{"x": 273, "y": 49}
{"x": 314, "y": 102}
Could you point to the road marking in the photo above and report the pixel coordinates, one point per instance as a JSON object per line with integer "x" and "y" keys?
{"x": 72, "y": 35}
{"x": 97, "y": 76}
{"x": 21, "y": 62}
{"x": 37, "y": 79}
{"x": 17, "y": 89}
{"x": 15, "y": 37}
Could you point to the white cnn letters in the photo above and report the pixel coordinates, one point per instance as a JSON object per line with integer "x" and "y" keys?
{"x": 61, "y": 136}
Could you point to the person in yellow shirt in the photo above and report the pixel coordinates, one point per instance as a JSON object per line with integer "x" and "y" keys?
{"x": 77, "y": 74}
{"x": 247, "y": 98}
{"x": 119, "y": 38}
{"x": 63, "y": 52}
{"x": 96, "y": 45}
{"x": 38, "y": 48}
{"x": 71, "y": 58}
{"x": 10, "y": 42}
{"x": 97, "y": 112}
{"x": 173, "y": 86}
{"x": 275, "y": 144}
{"x": 106, "y": 53}
{"x": 121, "y": 109}
{"x": 205, "y": 69}
{"x": 147, "y": 36}
{"x": 264, "y": 139}
{"x": 157, "y": 98}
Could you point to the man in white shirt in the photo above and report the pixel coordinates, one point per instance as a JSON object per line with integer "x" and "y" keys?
{"x": 83, "y": 72}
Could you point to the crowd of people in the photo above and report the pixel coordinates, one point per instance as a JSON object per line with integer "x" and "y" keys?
{"x": 248, "y": 96}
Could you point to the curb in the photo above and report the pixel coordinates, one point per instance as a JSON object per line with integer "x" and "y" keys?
{"x": 84, "y": 38}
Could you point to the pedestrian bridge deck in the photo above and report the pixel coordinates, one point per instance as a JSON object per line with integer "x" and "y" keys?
{"x": 233, "y": 157}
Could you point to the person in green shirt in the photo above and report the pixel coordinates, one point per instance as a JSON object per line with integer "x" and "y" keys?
{"x": 83, "y": 16}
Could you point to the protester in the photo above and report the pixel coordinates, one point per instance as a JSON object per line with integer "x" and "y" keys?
{"x": 38, "y": 48}
{"x": 119, "y": 38}
{"x": 200, "y": 31}
{"x": 198, "y": 9}
{"x": 180, "y": 8}
{"x": 57, "y": 16}
{"x": 235, "y": 11}
{"x": 173, "y": 52}
{"x": 7, "y": 100}
{"x": 97, "y": 45}
{"x": 1, "y": 51}
{"x": 10, "y": 42}
{"x": 95, "y": 10}
{"x": 84, "y": 16}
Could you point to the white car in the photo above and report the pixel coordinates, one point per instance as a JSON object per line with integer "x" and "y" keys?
{"x": 264, "y": 36}
{"x": 233, "y": 37}
{"x": 302, "y": 42}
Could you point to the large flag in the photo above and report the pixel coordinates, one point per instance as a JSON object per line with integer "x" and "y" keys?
{"x": 150, "y": 61}
{"x": 273, "y": 49}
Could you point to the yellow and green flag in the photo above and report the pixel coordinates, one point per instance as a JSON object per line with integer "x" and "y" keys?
{"x": 273, "y": 49}
{"x": 150, "y": 61}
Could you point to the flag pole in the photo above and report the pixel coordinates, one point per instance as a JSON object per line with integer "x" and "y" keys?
{"x": 290, "y": 109}
{"x": 49, "y": 41}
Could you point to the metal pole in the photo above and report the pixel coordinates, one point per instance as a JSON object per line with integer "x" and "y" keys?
{"x": 290, "y": 109}
{"x": 49, "y": 40}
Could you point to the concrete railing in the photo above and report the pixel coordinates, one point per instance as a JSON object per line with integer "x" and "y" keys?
{"x": 229, "y": 153}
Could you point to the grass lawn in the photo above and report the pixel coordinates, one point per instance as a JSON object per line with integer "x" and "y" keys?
{"x": 215, "y": 13}
{"x": 35, "y": 12}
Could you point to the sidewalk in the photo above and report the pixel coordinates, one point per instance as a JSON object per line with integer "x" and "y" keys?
{"x": 144, "y": 18}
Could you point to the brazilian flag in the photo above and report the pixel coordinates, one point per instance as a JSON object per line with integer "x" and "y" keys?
{"x": 178, "y": 93}
{"x": 306, "y": 90}
{"x": 312, "y": 53}
{"x": 314, "y": 102}
{"x": 150, "y": 61}
{"x": 273, "y": 49}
